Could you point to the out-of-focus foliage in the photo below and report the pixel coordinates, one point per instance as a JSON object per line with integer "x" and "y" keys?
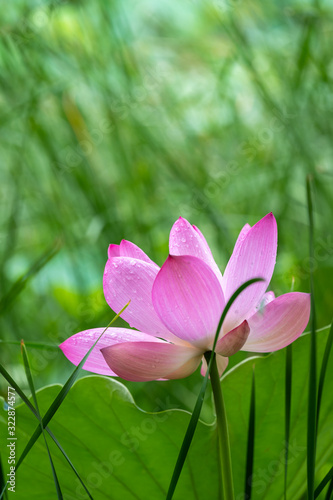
{"x": 117, "y": 117}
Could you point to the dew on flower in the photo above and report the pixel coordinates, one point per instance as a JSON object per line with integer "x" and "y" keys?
{"x": 177, "y": 308}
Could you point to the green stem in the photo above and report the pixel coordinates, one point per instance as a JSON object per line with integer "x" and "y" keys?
{"x": 222, "y": 429}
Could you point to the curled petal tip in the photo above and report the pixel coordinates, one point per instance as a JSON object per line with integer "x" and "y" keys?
{"x": 234, "y": 340}
{"x": 113, "y": 251}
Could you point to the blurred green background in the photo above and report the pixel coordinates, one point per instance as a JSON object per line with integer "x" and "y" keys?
{"x": 118, "y": 117}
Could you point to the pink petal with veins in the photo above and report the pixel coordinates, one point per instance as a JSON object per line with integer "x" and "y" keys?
{"x": 128, "y": 249}
{"x": 280, "y": 323}
{"x": 265, "y": 299}
{"x": 241, "y": 237}
{"x": 127, "y": 278}
{"x": 188, "y": 298}
{"x": 144, "y": 361}
{"x": 186, "y": 239}
{"x": 254, "y": 256}
{"x": 77, "y": 346}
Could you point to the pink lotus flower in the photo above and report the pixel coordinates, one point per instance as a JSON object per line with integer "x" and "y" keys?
{"x": 176, "y": 308}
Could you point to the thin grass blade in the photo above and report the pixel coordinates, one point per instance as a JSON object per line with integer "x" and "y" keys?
{"x": 312, "y": 399}
{"x": 20, "y": 284}
{"x": 323, "y": 483}
{"x": 250, "y": 442}
{"x": 288, "y": 391}
{"x": 329, "y": 493}
{"x": 24, "y": 398}
{"x": 61, "y": 396}
{"x": 323, "y": 368}
{"x": 198, "y": 405}
{"x": 34, "y": 397}
{"x": 36, "y": 345}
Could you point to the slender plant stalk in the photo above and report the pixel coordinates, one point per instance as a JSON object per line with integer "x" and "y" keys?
{"x": 198, "y": 405}
{"x": 288, "y": 391}
{"x": 250, "y": 442}
{"x": 222, "y": 429}
{"x": 312, "y": 399}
